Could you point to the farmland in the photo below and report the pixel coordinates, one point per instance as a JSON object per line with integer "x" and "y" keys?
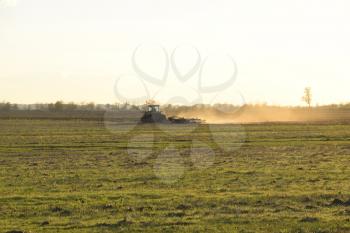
{"x": 88, "y": 176}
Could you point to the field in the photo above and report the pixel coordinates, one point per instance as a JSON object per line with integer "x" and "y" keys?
{"x": 87, "y": 176}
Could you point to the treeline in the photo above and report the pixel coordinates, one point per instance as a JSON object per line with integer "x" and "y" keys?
{"x": 61, "y": 106}
{"x": 216, "y": 113}
{"x": 6, "y": 106}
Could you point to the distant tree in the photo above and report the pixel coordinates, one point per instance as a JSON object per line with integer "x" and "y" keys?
{"x": 90, "y": 106}
{"x": 125, "y": 106}
{"x": 115, "y": 107}
{"x": 5, "y": 106}
{"x": 39, "y": 106}
{"x": 70, "y": 106}
{"x": 51, "y": 107}
{"x": 14, "y": 107}
{"x": 8, "y": 106}
{"x": 100, "y": 107}
{"x": 307, "y": 98}
{"x": 58, "y": 106}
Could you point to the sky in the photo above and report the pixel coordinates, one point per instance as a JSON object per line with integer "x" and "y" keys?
{"x": 110, "y": 51}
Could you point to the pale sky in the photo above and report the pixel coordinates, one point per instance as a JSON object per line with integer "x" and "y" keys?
{"x": 75, "y": 50}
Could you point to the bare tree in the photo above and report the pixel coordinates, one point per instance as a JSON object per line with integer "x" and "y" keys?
{"x": 307, "y": 98}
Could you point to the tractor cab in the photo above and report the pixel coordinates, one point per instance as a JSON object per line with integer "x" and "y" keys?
{"x": 153, "y": 108}
{"x": 153, "y": 114}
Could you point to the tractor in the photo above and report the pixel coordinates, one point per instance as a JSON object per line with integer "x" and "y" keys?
{"x": 154, "y": 115}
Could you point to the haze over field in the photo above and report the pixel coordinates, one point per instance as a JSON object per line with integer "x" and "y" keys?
{"x": 263, "y": 114}
{"x": 75, "y": 50}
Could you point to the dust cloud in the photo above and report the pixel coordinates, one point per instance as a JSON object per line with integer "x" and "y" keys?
{"x": 260, "y": 114}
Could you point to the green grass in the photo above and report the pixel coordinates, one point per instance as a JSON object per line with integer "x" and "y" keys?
{"x": 77, "y": 176}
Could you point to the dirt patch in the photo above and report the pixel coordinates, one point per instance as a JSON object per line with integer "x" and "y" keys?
{"x": 338, "y": 202}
